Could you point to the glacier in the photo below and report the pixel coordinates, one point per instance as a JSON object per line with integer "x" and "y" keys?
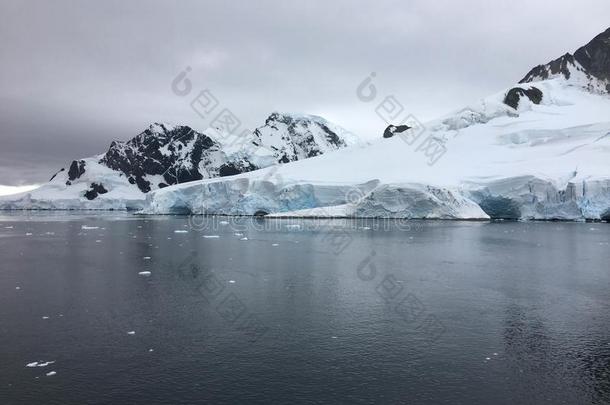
{"x": 535, "y": 151}
{"x": 536, "y": 162}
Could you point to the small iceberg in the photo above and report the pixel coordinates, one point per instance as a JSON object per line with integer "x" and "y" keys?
{"x": 39, "y": 364}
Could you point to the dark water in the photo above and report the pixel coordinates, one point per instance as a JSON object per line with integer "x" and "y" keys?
{"x": 428, "y": 312}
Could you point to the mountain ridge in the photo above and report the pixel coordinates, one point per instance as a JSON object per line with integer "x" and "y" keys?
{"x": 537, "y": 150}
{"x": 591, "y": 61}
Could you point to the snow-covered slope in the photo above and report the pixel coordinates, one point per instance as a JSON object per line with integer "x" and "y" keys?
{"x": 164, "y": 155}
{"x": 537, "y": 150}
{"x": 537, "y": 161}
{"x": 293, "y": 137}
{"x": 588, "y": 67}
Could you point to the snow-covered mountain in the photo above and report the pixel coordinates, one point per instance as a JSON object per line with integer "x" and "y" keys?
{"x": 588, "y": 67}
{"x": 293, "y": 137}
{"x": 537, "y": 150}
{"x": 165, "y": 155}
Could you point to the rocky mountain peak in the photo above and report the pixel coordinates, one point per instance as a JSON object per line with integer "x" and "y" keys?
{"x": 165, "y": 154}
{"x": 292, "y": 137}
{"x": 588, "y": 67}
{"x": 173, "y": 152}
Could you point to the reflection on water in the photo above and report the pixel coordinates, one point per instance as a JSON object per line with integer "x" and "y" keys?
{"x": 239, "y": 310}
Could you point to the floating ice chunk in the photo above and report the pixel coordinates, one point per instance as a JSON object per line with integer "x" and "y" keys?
{"x": 487, "y": 358}
{"x": 8, "y": 227}
{"x": 244, "y": 238}
{"x": 495, "y": 354}
{"x": 151, "y": 350}
{"x": 232, "y": 281}
{"x": 39, "y": 364}
{"x": 51, "y": 373}
{"x": 333, "y": 337}
{"x": 146, "y": 258}
{"x": 45, "y": 317}
{"x": 238, "y": 234}
{"x": 89, "y": 227}
{"x": 224, "y": 222}
{"x": 275, "y": 244}
{"x": 98, "y": 241}
{"x": 28, "y": 234}
{"x": 211, "y": 236}
{"x": 131, "y": 332}
{"x": 17, "y": 288}
{"x": 180, "y": 231}
{"x": 145, "y": 273}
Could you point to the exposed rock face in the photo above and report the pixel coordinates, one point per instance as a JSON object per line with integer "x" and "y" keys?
{"x": 559, "y": 66}
{"x": 514, "y": 96}
{"x": 95, "y": 190}
{"x": 591, "y": 61}
{"x": 292, "y": 137}
{"x": 55, "y": 175}
{"x": 391, "y": 130}
{"x": 165, "y": 155}
{"x": 77, "y": 169}
{"x": 178, "y": 154}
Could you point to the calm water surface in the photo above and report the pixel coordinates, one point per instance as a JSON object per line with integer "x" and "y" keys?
{"x": 302, "y": 312}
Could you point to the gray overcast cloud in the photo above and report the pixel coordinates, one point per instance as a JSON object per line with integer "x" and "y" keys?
{"x": 75, "y": 75}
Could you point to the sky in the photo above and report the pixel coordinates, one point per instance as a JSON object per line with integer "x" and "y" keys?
{"x": 75, "y": 75}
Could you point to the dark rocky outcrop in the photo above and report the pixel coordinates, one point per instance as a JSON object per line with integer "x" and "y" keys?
{"x": 95, "y": 190}
{"x": 77, "y": 169}
{"x": 514, "y": 95}
{"x": 174, "y": 153}
{"x": 55, "y": 175}
{"x": 165, "y": 155}
{"x": 593, "y": 60}
{"x": 595, "y": 56}
{"x": 293, "y": 137}
{"x": 391, "y": 130}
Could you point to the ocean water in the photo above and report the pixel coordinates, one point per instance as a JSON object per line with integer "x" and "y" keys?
{"x": 260, "y": 311}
